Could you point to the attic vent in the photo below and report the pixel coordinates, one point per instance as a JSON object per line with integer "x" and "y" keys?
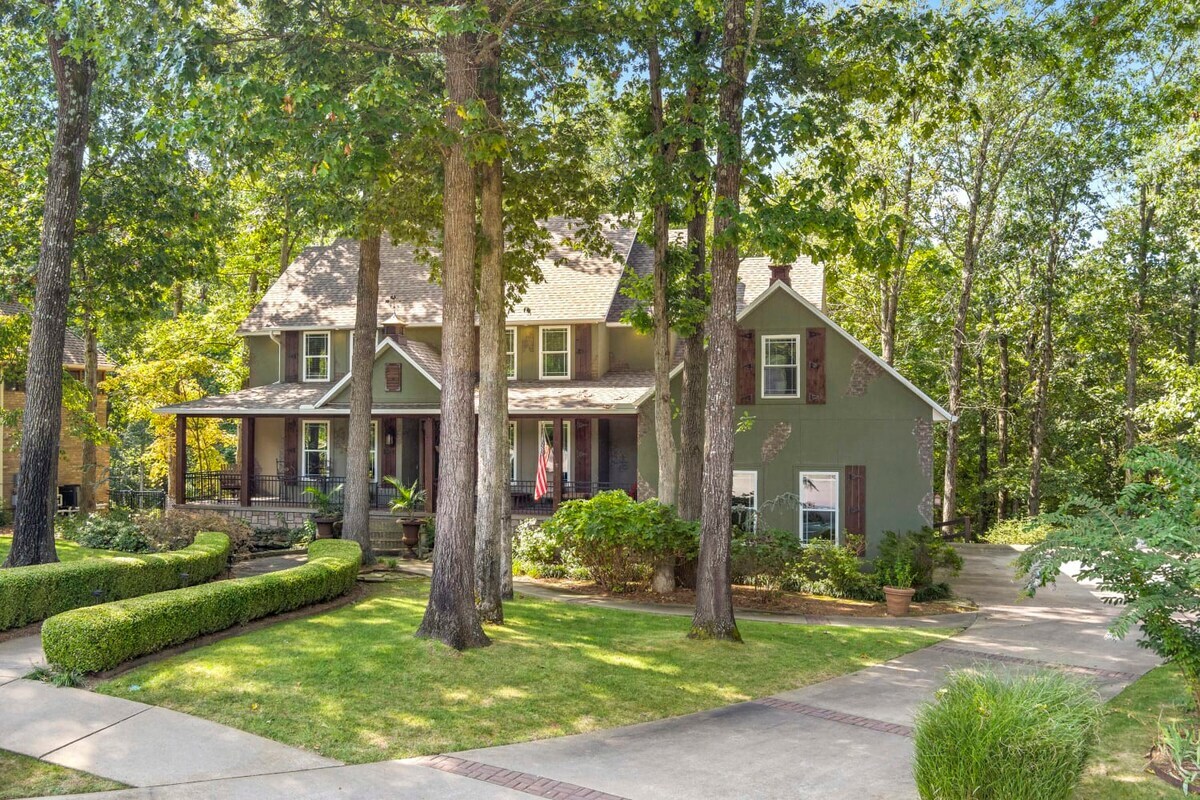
{"x": 394, "y": 377}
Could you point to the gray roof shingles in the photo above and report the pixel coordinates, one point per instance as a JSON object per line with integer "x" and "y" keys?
{"x": 74, "y": 348}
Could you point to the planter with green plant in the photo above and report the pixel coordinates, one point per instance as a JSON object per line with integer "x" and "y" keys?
{"x": 327, "y": 509}
{"x": 405, "y": 505}
{"x": 898, "y": 588}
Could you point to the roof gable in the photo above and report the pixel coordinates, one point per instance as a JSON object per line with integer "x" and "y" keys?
{"x": 418, "y": 355}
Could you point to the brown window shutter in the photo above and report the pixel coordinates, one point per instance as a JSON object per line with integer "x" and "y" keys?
{"x": 583, "y": 450}
{"x": 856, "y": 500}
{"x": 814, "y": 353}
{"x": 291, "y": 356}
{"x": 291, "y": 447}
{"x": 747, "y": 367}
{"x": 583, "y": 352}
{"x": 394, "y": 377}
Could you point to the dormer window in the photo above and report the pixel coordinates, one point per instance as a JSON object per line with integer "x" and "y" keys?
{"x": 555, "y": 356}
{"x": 316, "y": 356}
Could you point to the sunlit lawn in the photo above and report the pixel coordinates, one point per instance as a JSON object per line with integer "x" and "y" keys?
{"x": 67, "y": 550}
{"x": 355, "y": 685}
{"x": 21, "y": 776}
{"x": 1118, "y": 771}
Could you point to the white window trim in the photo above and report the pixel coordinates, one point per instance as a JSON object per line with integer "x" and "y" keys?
{"x": 762, "y": 382}
{"x": 304, "y": 451}
{"x": 754, "y": 506}
{"x": 541, "y": 353}
{"x": 375, "y": 444}
{"x": 515, "y": 451}
{"x": 568, "y": 436}
{"x": 837, "y": 493}
{"x": 304, "y": 356}
{"x": 515, "y": 351}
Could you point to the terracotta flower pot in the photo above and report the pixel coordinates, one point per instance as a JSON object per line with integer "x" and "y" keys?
{"x": 898, "y": 600}
{"x": 412, "y": 533}
{"x": 324, "y": 526}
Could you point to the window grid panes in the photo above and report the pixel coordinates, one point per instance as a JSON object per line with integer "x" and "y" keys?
{"x": 316, "y": 356}
{"x": 556, "y": 358}
{"x": 510, "y": 352}
{"x": 745, "y": 499}
{"x": 546, "y": 435}
{"x": 781, "y": 366}
{"x": 819, "y": 506}
{"x": 315, "y": 447}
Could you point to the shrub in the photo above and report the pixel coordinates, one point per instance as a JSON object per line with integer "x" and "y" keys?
{"x": 178, "y": 527}
{"x": 1017, "y": 531}
{"x": 539, "y": 553}
{"x": 990, "y": 737}
{"x": 1143, "y": 549}
{"x": 834, "y": 570}
{"x": 764, "y": 558}
{"x": 102, "y": 637}
{"x": 919, "y": 553}
{"x": 31, "y": 594}
{"x": 114, "y": 530}
{"x": 618, "y": 539}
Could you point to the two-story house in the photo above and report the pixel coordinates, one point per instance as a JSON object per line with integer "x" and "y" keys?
{"x": 827, "y": 414}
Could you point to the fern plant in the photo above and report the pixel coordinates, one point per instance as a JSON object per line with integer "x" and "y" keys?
{"x": 1144, "y": 549}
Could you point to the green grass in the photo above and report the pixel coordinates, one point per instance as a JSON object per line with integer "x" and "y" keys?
{"x": 67, "y": 550}
{"x": 21, "y": 776}
{"x": 1130, "y": 729}
{"x": 354, "y": 684}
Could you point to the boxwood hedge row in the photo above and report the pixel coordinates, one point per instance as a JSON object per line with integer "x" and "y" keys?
{"x": 102, "y": 637}
{"x": 31, "y": 594}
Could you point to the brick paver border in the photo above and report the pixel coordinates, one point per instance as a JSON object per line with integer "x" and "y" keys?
{"x": 836, "y": 716}
{"x": 1004, "y": 658}
{"x": 511, "y": 779}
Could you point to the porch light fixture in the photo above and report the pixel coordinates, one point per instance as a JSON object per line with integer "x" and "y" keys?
{"x": 389, "y": 439}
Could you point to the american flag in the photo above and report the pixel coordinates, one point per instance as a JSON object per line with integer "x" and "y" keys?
{"x": 539, "y": 485}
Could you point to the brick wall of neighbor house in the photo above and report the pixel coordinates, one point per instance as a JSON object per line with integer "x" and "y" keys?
{"x": 70, "y": 464}
{"x": 868, "y": 419}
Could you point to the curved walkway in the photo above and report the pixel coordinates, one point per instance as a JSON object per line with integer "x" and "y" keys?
{"x": 844, "y": 738}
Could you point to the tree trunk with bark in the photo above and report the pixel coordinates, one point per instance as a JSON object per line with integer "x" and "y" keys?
{"x": 356, "y": 521}
{"x": 1002, "y": 428}
{"x": 713, "y": 618}
{"x": 493, "y": 475}
{"x": 88, "y": 477}
{"x": 692, "y": 389}
{"x": 893, "y": 284}
{"x": 1041, "y": 392}
{"x": 451, "y": 616}
{"x": 1146, "y": 213}
{"x": 33, "y": 526}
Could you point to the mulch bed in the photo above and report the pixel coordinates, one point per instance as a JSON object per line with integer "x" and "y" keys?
{"x": 1162, "y": 765}
{"x": 748, "y": 598}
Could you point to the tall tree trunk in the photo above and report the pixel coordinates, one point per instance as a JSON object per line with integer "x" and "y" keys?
{"x": 1146, "y": 212}
{"x": 33, "y": 535}
{"x": 893, "y": 283}
{"x": 714, "y": 593}
{"x": 984, "y": 467}
{"x": 451, "y": 616}
{"x": 664, "y": 427}
{"x": 692, "y": 389}
{"x": 493, "y": 488}
{"x": 1002, "y": 427}
{"x": 356, "y": 523}
{"x": 91, "y": 381}
{"x": 1041, "y": 392}
{"x": 177, "y": 300}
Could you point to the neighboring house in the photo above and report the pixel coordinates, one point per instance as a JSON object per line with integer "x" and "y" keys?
{"x": 70, "y": 464}
{"x": 829, "y": 417}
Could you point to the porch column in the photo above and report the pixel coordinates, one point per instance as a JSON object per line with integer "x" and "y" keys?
{"x": 427, "y": 462}
{"x": 556, "y": 437}
{"x": 246, "y": 456}
{"x": 179, "y": 473}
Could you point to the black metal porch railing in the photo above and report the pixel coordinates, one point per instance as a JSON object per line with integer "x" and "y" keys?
{"x": 138, "y": 499}
{"x": 284, "y": 491}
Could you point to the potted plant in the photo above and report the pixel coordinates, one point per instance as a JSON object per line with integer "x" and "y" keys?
{"x": 405, "y": 504}
{"x": 327, "y": 509}
{"x": 898, "y": 588}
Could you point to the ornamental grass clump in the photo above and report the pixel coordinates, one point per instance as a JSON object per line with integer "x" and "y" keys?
{"x": 1005, "y": 737}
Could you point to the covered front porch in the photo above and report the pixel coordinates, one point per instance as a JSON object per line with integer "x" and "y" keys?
{"x": 279, "y": 457}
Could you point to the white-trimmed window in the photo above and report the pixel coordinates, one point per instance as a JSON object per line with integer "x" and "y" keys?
{"x": 314, "y": 448}
{"x": 555, "y": 352}
{"x": 781, "y": 366}
{"x": 510, "y": 352}
{"x": 745, "y": 499}
{"x": 373, "y": 459}
{"x": 512, "y": 451}
{"x": 546, "y": 438}
{"x": 819, "y": 506}
{"x": 316, "y": 356}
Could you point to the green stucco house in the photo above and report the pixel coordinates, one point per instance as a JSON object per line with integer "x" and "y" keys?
{"x": 839, "y": 440}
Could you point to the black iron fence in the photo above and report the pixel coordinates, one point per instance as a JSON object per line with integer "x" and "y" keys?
{"x": 138, "y": 499}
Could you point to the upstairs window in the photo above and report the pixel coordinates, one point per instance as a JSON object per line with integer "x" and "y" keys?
{"x": 781, "y": 366}
{"x": 510, "y": 352}
{"x": 316, "y": 356}
{"x": 556, "y": 353}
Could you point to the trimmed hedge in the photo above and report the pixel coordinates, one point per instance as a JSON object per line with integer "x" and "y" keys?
{"x": 31, "y": 594}
{"x": 101, "y": 637}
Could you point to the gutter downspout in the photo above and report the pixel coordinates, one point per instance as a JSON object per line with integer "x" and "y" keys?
{"x": 278, "y": 357}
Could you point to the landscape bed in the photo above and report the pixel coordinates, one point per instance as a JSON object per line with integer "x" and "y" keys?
{"x": 354, "y": 684}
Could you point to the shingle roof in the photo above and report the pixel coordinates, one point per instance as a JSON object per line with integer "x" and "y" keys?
{"x": 754, "y": 275}
{"x": 318, "y": 290}
{"x": 269, "y": 397}
{"x": 616, "y": 391}
{"x": 74, "y": 348}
